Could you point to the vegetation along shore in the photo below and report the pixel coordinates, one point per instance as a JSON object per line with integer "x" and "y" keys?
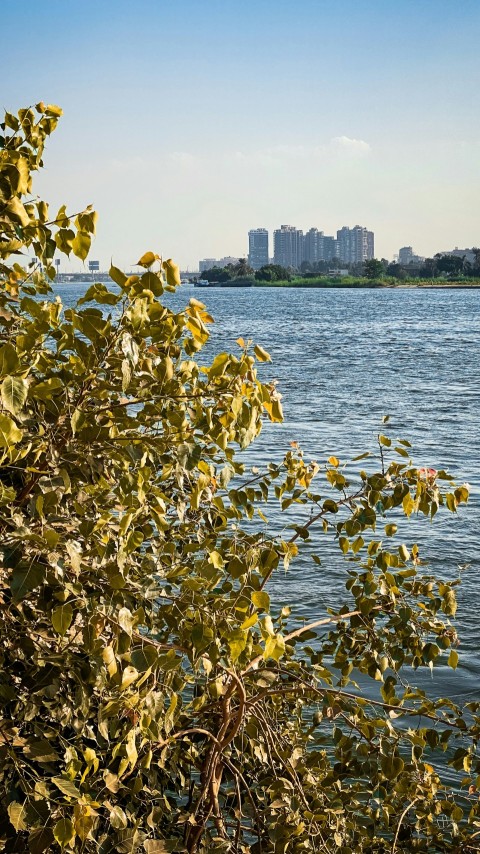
{"x": 155, "y": 697}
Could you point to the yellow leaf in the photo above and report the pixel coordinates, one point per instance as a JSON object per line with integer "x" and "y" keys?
{"x": 172, "y": 272}
{"x": 147, "y": 260}
{"x": 262, "y": 354}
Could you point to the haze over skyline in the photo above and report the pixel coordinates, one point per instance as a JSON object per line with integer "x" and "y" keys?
{"x": 187, "y": 124}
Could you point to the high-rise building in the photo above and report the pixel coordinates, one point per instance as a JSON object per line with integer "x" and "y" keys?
{"x": 405, "y": 255}
{"x": 257, "y": 248}
{"x": 355, "y": 245}
{"x": 329, "y": 248}
{"x": 207, "y": 264}
{"x": 288, "y": 246}
{"x": 370, "y": 245}
{"x": 313, "y": 246}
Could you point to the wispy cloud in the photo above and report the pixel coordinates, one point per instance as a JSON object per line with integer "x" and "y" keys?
{"x": 357, "y": 147}
{"x": 277, "y": 155}
{"x": 183, "y": 158}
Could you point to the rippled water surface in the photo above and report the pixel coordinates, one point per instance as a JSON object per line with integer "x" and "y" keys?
{"x": 343, "y": 359}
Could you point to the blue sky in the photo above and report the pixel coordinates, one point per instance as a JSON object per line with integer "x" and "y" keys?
{"x": 188, "y": 122}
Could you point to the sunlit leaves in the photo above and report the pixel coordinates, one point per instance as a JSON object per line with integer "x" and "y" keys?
{"x": 62, "y": 618}
{"x": 274, "y": 647}
{"x": 14, "y": 392}
{"x": 261, "y": 354}
{"x": 145, "y": 661}
{"x": 9, "y": 361}
{"x": 17, "y": 815}
{"x": 10, "y": 434}
{"x": 172, "y": 272}
{"x": 261, "y": 599}
{"x": 64, "y": 832}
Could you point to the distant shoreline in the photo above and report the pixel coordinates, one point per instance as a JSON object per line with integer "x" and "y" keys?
{"x": 373, "y": 286}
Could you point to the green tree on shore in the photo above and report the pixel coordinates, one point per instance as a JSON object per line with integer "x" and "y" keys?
{"x": 373, "y": 268}
{"x": 272, "y": 273}
{"x": 152, "y": 696}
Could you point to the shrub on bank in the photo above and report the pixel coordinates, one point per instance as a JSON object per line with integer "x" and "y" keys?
{"x": 152, "y": 697}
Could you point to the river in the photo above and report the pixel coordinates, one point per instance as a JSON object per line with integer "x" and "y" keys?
{"x": 343, "y": 359}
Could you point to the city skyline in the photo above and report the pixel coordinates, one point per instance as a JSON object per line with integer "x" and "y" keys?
{"x": 358, "y": 111}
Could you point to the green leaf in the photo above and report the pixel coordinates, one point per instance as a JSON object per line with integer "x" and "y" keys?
{"x": 14, "y": 394}
{"x": 17, "y": 814}
{"x": 391, "y": 766}
{"x": 64, "y": 239}
{"x": 159, "y": 846}
{"x": 249, "y": 622}
{"x": 261, "y": 599}
{"x": 126, "y": 620}
{"x": 117, "y": 818}
{"x": 129, "y": 676}
{"x": 67, "y": 787}
{"x": 108, "y": 656}
{"x": 274, "y": 647}
{"x": 17, "y": 211}
{"x": 216, "y": 559}
{"x": 47, "y": 389}
{"x": 143, "y": 659}
{"x": 41, "y": 750}
{"x": 9, "y": 432}
{"x": 40, "y": 840}
{"x": 77, "y": 420}
{"x": 81, "y": 244}
{"x": 390, "y": 530}
{"x": 219, "y": 364}
{"x": 453, "y": 659}
{"x": 9, "y": 361}
{"x": 237, "y": 641}
{"x": 62, "y": 618}
{"x": 64, "y": 832}
{"x": 117, "y": 276}
{"x": 25, "y": 578}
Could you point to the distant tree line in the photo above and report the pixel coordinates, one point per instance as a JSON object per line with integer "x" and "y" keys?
{"x": 440, "y": 265}
{"x": 240, "y": 270}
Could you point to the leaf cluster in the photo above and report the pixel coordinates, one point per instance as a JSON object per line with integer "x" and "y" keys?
{"x": 151, "y": 695}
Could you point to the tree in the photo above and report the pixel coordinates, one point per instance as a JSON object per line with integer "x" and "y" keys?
{"x": 429, "y": 269}
{"x": 452, "y": 265}
{"x": 397, "y": 271}
{"x": 272, "y": 273}
{"x": 152, "y": 697}
{"x": 373, "y": 268}
{"x": 476, "y": 261}
{"x": 217, "y": 274}
{"x": 306, "y": 267}
{"x": 242, "y": 268}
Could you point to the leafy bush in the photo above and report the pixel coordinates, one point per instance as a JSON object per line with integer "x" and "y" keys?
{"x": 272, "y": 273}
{"x": 151, "y": 696}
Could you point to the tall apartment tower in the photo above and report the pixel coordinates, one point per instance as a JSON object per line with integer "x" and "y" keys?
{"x": 257, "y": 248}
{"x": 330, "y": 248}
{"x": 405, "y": 255}
{"x": 355, "y": 245}
{"x": 288, "y": 246}
{"x": 313, "y": 246}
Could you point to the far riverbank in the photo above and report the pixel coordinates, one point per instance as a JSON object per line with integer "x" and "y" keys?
{"x": 368, "y": 283}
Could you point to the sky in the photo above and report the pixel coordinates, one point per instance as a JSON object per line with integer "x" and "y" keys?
{"x": 188, "y": 122}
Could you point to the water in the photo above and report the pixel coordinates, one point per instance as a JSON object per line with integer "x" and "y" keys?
{"x": 343, "y": 359}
